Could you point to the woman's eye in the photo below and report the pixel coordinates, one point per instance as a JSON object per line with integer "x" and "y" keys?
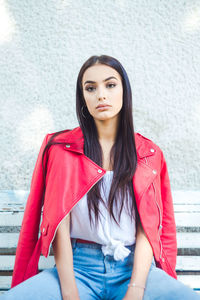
{"x": 111, "y": 85}
{"x": 89, "y": 88}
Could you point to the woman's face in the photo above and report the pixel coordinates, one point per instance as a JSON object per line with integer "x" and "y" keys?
{"x": 102, "y": 85}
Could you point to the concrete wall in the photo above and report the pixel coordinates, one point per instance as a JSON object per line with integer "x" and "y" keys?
{"x": 42, "y": 47}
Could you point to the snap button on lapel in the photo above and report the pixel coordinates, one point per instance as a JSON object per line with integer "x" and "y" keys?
{"x": 99, "y": 170}
{"x": 67, "y": 145}
{"x": 145, "y": 151}
{"x": 154, "y": 172}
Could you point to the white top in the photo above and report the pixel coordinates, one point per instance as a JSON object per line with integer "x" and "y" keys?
{"x": 112, "y": 237}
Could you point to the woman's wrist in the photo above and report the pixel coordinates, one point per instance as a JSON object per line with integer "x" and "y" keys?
{"x": 134, "y": 293}
{"x": 134, "y": 284}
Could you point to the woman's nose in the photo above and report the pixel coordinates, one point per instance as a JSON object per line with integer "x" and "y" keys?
{"x": 101, "y": 97}
{"x": 101, "y": 94}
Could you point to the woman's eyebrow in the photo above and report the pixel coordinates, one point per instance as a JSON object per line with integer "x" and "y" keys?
{"x": 90, "y": 81}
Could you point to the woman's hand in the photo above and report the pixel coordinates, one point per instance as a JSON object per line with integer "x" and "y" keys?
{"x": 134, "y": 293}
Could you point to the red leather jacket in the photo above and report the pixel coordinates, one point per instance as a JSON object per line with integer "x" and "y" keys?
{"x": 70, "y": 175}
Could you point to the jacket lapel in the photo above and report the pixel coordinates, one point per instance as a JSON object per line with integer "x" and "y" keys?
{"x": 144, "y": 174}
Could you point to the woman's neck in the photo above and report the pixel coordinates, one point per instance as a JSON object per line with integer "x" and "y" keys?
{"x": 107, "y": 130}
{"x": 106, "y": 146}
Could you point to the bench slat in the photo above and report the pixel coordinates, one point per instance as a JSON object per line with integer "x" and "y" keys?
{"x": 184, "y": 240}
{"x": 185, "y": 197}
{"x": 187, "y": 208}
{"x": 193, "y": 281}
{"x": 188, "y": 240}
{"x": 184, "y": 263}
{"x": 188, "y": 263}
{"x": 182, "y": 219}
{"x": 16, "y": 199}
{"x": 179, "y": 196}
{"x": 185, "y": 219}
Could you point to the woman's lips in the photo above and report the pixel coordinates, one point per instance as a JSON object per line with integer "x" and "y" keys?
{"x": 103, "y": 107}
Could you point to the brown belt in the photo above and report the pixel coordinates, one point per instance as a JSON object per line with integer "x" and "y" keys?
{"x": 84, "y": 241}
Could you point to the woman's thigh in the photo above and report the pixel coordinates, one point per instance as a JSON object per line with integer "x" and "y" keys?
{"x": 119, "y": 292}
{"x": 160, "y": 285}
{"x": 44, "y": 285}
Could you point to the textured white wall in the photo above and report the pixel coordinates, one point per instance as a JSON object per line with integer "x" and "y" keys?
{"x": 42, "y": 47}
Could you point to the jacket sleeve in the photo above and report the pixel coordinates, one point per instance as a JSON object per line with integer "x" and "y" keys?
{"x": 168, "y": 237}
{"x": 28, "y": 236}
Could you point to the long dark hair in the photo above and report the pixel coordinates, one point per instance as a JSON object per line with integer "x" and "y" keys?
{"x": 123, "y": 152}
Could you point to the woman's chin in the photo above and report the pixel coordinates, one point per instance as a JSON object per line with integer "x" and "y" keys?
{"x": 105, "y": 117}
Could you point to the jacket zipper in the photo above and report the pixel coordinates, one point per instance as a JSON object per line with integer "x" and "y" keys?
{"x": 160, "y": 225}
{"x": 160, "y": 218}
{"x": 68, "y": 214}
{"x": 142, "y": 223}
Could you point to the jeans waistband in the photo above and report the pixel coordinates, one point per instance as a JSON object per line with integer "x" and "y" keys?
{"x": 91, "y": 244}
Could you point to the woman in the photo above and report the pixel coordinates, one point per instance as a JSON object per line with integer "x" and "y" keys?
{"x": 107, "y": 204}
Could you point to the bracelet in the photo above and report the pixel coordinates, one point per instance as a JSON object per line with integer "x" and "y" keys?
{"x": 134, "y": 284}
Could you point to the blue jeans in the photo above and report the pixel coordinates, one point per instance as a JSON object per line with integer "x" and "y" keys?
{"x": 100, "y": 277}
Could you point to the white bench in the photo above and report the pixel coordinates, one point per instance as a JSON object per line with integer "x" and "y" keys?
{"x": 187, "y": 214}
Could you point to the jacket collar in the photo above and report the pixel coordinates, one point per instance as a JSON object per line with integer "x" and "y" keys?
{"x": 75, "y": 142}
{"x": 144, "y": 174}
